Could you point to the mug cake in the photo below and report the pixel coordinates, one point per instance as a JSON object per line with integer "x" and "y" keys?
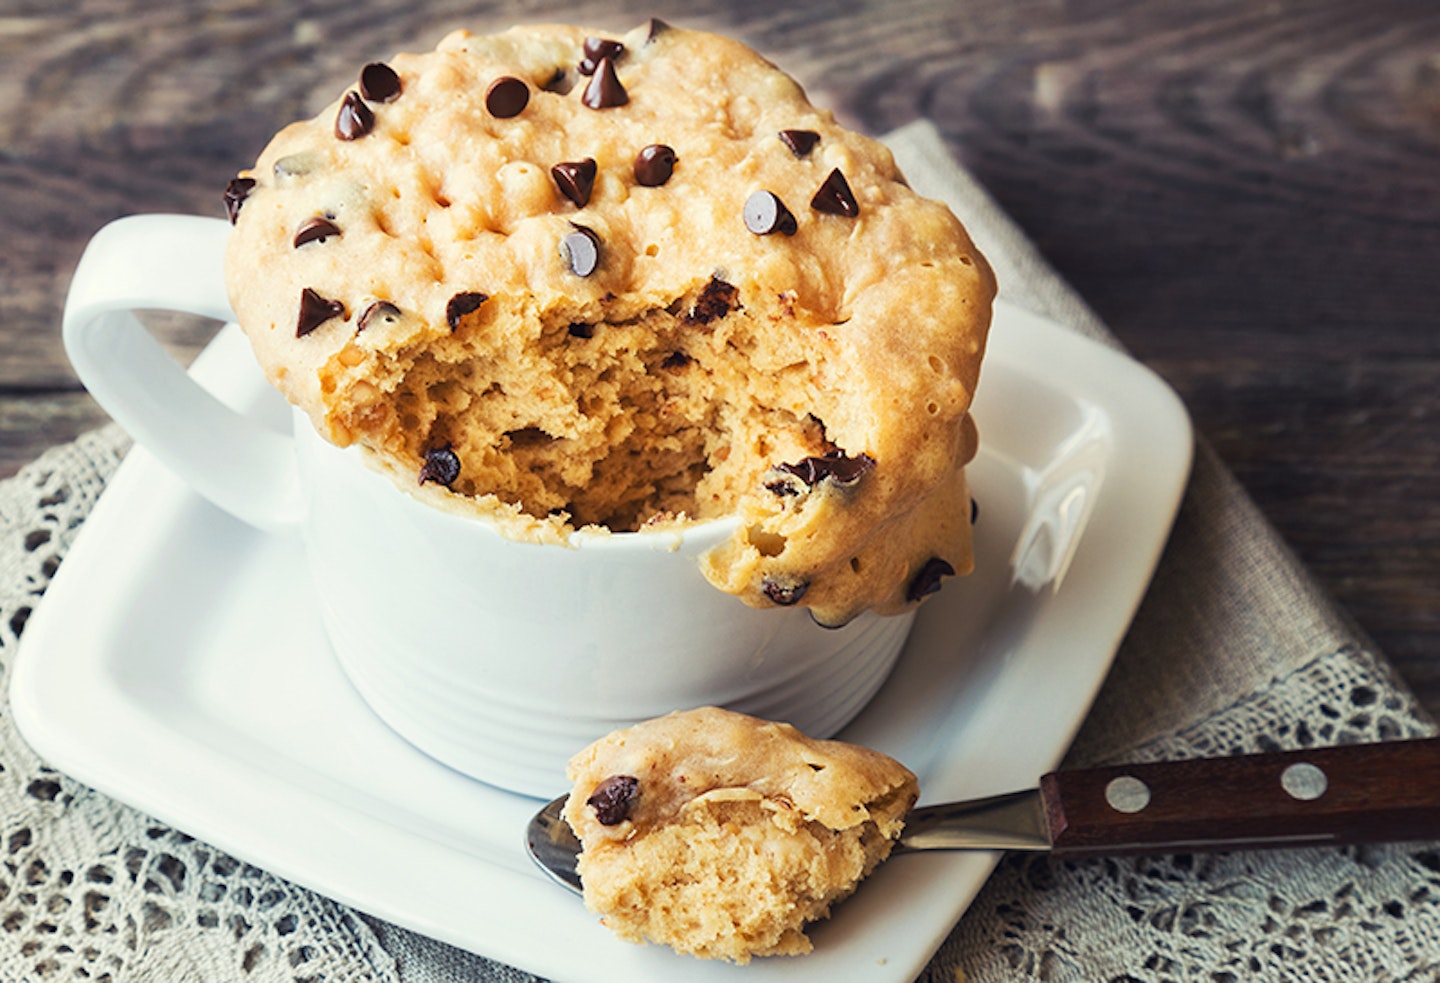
{"x": 564, "y": 280}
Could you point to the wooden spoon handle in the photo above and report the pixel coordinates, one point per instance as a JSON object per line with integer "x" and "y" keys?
{"x": 1351, "y": 794}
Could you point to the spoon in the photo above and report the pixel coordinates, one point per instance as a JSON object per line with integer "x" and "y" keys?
{"x": 1358, "y": 793}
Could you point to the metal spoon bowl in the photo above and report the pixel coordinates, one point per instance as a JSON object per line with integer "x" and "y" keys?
{"x": 553, "y": 845}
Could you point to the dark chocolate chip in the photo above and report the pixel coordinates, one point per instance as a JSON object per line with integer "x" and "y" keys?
{"x": 784, "y": 486}
{"x": 835, "y": 466}
{"x": 581, "y": 250}
{"x": 575, "y": 179}
{"x": 654, "y": 165}
{"x": 441, "y": 466}
{"x": 613, "y": 798}
{"x": 597, "y": 49}
{"x": 236, "y": 192}
{"x": 315, "y": 229}
{"x": 715, "y": 301}
{"x": 766, "y": 213}
{"x": 835, "y": 197}
{"x": 315, "y": 310}
{"x": 800, "y": 142}
{"x": 605, "y": 90}
{"x": 784, "y": 593}
{"x": 507, "y": 97}
{"x": 354, "y": 119}
{"x": 676, "y": 360}
{"x": 379, "y": 83}
{"x": 654, "y": 28}
{"x": 927, "y": 581}
{"x": 463, "y": 304}
{"x": 379, "y": 309}
{"x": 579, "y": 329}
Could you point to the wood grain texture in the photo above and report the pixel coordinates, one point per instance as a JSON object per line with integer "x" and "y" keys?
{"x": 1249, "y": 194}
{"x": 1358, "y": 793}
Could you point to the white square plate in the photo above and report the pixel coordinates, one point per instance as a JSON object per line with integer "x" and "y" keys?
{"x": 177, "y": 664}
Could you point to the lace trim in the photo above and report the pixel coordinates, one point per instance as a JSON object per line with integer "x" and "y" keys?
{"x": 91, "y": 889}
{"x": 1351, "y": 913}
{"x": 94, "y": 890}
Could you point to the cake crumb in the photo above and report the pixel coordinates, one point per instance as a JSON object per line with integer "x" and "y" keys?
{"x": 735, "y": 832}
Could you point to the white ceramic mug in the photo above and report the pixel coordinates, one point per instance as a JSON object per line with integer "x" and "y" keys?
{"x": 499, "y": 658}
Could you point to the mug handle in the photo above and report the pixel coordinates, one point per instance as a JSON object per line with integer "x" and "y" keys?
{"x": 173, "y": 263}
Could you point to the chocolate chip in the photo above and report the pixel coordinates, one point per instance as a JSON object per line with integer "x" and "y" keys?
{"x": 654, "y": 28}
{"x": 379, "y": 83}
{"x": 835, "y": 466}
{"x": 784, "y": 485}
{"x": 507, "y": 97}
{"x": 441, "y": 466}
{"x": 236, "y": 192}
{"x": 765, "y": 213}
{"x": 613, "y": 798}
{"x": 676, "y": 360}
{"x": 461, "y": 305}
{"x": 315, "y": 229}
{"x": 581, "y": 250}
{"x": 784, "y": 593}
{"x": 800, "y": 142}
{"x": 377, "y": 310}
{"x": 354, "y": 119}
{"x": 835, "y": 196}
{"x": 575, "y": 179}
{"x": 927, "y": 581}
{"x": 579, "y": 329}
{"x": 605, "y": 90}
{"x": 315, "y": 310}
{"x": 715, "y": 301}
{"x": 597, "y": 49}
{"x": 654, "y": 165}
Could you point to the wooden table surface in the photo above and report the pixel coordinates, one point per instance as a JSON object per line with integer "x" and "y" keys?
{"x": 1249, "y": 194}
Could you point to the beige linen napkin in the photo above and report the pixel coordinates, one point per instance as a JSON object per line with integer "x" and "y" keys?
{"x": 1234, "y": 648}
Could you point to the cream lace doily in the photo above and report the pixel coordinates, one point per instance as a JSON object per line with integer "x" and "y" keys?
{"x": 1323, "y": 914}
{"x": 93, "y": 890}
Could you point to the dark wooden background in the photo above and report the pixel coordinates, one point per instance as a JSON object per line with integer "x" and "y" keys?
{"x": 1248, "y": 193}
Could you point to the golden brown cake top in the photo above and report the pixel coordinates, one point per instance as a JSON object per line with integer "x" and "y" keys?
{"x": 626, "y": 296}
